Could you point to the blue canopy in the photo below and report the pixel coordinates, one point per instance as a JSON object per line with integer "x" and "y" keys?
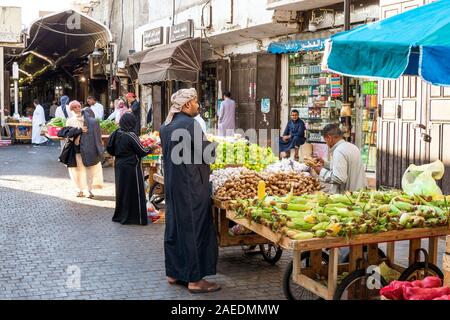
{"x": 293, "y": 46}
{"x": 416, "y": 42}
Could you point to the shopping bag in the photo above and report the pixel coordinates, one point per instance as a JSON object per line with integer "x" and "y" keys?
{"x": 421, "y": 180}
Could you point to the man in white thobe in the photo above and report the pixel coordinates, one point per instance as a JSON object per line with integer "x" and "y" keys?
{"x": 201, "y": 122}
{"x": 38, "y": 121}
{"x": 345, "y": 170}
{"x": 96, "y": 107}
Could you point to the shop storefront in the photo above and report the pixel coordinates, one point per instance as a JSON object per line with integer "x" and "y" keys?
{"x": 318, "y": 97}
{"x": 166, "y": 69}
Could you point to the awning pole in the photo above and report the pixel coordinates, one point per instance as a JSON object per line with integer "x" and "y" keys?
{"x": 2, "y": 88}
{"x": 346, "y": 82}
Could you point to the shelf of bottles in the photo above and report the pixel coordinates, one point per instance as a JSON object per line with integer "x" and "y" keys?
{"x": 314, "y": 93}
{"x": 369, "y": 93}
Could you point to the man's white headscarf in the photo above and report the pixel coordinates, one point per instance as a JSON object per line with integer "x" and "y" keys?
{"x": 179, "y": 99}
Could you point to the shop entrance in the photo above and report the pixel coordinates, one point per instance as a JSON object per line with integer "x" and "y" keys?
{"x": 255, "y": 88}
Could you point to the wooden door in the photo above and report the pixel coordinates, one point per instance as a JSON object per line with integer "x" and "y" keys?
{"x": 268, "y": 87}
{"x": 243, "y": 89}
{"x": 438, "y": 127}
{"x": 222, "y": 76}
{"x": 402, "y": 110}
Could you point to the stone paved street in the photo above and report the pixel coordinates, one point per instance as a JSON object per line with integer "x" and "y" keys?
{"x": 46, "y": 233}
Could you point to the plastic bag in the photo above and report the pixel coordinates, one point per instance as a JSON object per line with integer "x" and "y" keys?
{"x": 421, "y": 180}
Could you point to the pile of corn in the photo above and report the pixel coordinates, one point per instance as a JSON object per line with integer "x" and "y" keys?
{"x": 319, "y": 215}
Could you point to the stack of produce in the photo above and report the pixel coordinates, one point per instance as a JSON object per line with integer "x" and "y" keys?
{"x": 152, "y": 140}
{"x": 245, "y": 186}
{"x": 220, "y": 176}
{"x": 11, "y": 120}
{"x": 286, "y": 165}
{"x": 312, "y": 162}
{"x": 57, "y": 122}
{"x": 108, "y": 126}
{"x": 241, "y": 153}
{"x": 429, "y": 288}
{"x": 320, "y": 215}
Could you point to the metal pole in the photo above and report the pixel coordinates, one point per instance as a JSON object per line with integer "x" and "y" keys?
{"x": 16, "y": 97}
{"x": 110, "y": 79}
{"x": 2, "y": 88}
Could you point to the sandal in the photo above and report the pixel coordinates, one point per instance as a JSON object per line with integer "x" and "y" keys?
{"x": 91, "y": 195}
{"x": 210, "y": 287}
{"x": 80, "y": 194}
{"x": 179, "y": 282}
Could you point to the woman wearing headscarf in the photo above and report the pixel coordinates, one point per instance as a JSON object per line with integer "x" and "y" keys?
{"x": 190, "y": 240}
{"x": 125, "y": 146}
{"x": 63, "y": 111}
{"x": 84, "y": 131}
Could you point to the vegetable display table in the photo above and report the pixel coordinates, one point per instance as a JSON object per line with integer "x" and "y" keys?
{"x": 105, "y": 138}
{"x": 316, "y": 273}
{"x": 248, "y": 242}
{"x": 22, "y": 131}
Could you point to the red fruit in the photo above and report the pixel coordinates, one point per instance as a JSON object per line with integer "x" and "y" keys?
{"x": 416, "y": 293}
{"x": 446, "y": 297}
{"x": 431, "y": 282}
{"x": 395, "y": 290}
{"x": 417, "y": 284}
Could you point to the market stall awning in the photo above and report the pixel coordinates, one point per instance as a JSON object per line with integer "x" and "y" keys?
{"x": 416, "y": 42}
{"x": 62, "y": 39}
{"x": 293, "y": 46}
{"x": 176, "y": 61}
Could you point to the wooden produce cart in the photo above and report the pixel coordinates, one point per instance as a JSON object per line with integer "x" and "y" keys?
{"x": 17, "y": 136}
{"x": 316, "y": 272}
{"x": 105, "y": 138}
{"x": 248, "y": 242}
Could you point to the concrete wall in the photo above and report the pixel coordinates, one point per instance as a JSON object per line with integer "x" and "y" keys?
{"x": 243, "y": 14}
{"x": 110, "y": 12}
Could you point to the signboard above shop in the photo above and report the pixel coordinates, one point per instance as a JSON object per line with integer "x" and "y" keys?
{"x": 10, "y": 25}
{"x": 153, "y": 37}
{"x": 182, "y": 31}
{"x": 293, "y": 46}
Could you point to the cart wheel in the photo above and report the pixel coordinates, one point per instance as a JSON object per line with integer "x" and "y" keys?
{"x": 248, "y": 249}
{"x": 293, "y": 291}
{"x": 381, "y": 255}
{"x": 270, "y": 252}
{"x": 361, "y": 285}
{"x": 156, "y": 195}
{"x": 419, "y": 270}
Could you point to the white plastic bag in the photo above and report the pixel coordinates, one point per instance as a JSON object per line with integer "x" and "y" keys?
{"x": 421, "y": 180}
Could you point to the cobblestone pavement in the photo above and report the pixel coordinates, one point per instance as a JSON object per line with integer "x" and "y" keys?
{"x": 47, "y": 236}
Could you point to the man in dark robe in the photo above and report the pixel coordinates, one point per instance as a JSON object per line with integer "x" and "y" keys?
{"x": 293, "y": 136}
{"x": 124, "y": 144}
{"x": 135, "y": 108}
{"x": 190, "y": 240}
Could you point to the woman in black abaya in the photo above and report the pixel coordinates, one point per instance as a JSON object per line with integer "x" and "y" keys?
{"x": 125, "y": 146}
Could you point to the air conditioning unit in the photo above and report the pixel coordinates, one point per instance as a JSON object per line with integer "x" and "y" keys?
{"x": 284, "y": 16}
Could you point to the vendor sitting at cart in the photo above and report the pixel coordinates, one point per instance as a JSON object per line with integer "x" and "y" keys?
{"x": 293, "y": 136}
{"x": 345, "y": 171}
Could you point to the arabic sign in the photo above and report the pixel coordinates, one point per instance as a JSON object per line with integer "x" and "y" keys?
{"x": 153, "y": 37}
{"x": 293, "y": 46}
{"x": 182, "y": 31}
{"x": 10, "y": 24}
